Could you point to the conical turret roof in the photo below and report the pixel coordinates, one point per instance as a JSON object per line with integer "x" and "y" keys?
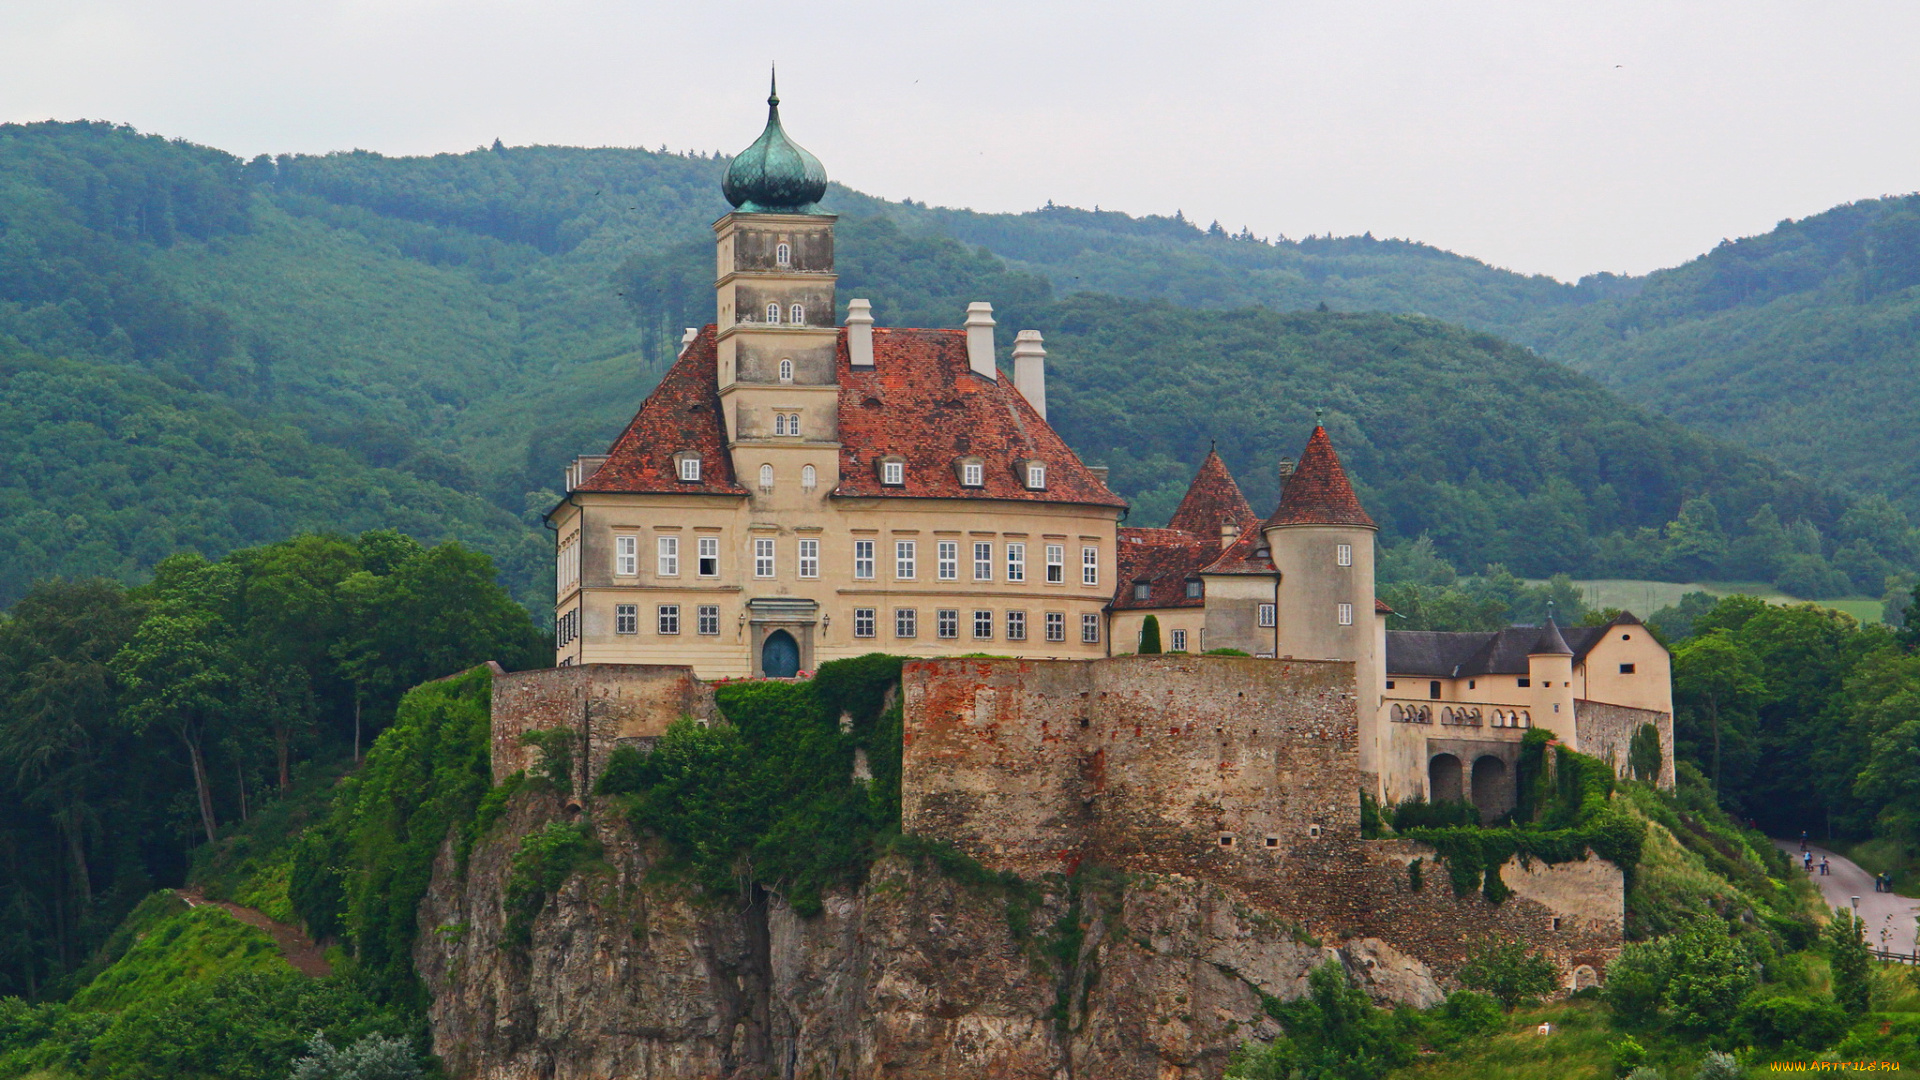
{"x": 1318, "y": 492}
{"x": 775, "y": 175}
{"x": 1550, "y": 642}
{"x": 1212, "y": 499}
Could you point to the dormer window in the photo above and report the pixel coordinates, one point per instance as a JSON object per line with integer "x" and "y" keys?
{"x": 687, "y": 466}
{"x": 786, "y": 371}
{"x": 1033, "y": 474}
{"x": 797, "y": 315}
{"x": 773, "y": 314}
{"x": 971, "y": 471}
{"x": 1193, "y": 589}
{"x": 782, "y": 255}
{"x": 1142, "y": 590}
{"x": 893, "y": 472}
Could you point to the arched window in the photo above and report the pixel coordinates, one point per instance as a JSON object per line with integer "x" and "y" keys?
{"x": 809, "y": 479}
{"x": 782, "y": 255}
{"x": 766, "y": 478}
{"x": 773, "y": 313}
{"x": 786, "y": 371}
{"x": 796, "y": 315}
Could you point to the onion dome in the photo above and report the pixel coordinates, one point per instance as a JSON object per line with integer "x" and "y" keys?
{"x": 774, "y": 175}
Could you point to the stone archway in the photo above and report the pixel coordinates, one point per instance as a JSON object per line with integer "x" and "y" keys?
{"x": 1492, "y": 787}
{"x": 1444, "y": 779}
{"x": 780, "y": 656}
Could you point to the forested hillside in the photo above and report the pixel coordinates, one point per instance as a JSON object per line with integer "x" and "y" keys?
{"x": 355, "y": 341}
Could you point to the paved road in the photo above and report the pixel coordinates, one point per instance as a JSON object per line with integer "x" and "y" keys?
{"x": 1882, "y": 911}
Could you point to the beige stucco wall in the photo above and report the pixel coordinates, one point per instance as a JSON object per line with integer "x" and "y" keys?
{"x": 1312, "y": 586}
{"x": 1126, "y": 629}
{"x": 1233, "y": 612}
{"x": 1649, "y": 686}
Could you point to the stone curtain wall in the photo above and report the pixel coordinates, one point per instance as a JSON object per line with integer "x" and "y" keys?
{"x": 1606, "y": 732}
{"x": 607, "y": 704}
{"x": 1241, "y": 773}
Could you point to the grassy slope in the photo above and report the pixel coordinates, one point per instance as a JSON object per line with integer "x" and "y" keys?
{"x": 1643, "y": 598}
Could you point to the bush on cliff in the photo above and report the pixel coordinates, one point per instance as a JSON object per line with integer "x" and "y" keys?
{"x": 770, "y": 796}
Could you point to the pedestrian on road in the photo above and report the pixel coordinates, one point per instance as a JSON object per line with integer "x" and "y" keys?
{"x": 1803, "y": 839}
{"x": 1806, "y": 861}
{"x": 1823, "y": 866}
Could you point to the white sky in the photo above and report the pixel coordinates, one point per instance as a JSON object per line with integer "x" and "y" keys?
{"x": 1551, "y": 138}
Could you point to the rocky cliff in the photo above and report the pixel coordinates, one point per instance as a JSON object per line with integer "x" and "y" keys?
{"x": 931, "y": 968}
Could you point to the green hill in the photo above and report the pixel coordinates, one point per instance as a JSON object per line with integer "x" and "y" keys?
{"x": 423, "y": 342}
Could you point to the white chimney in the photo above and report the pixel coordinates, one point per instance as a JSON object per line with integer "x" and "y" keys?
{"x": 686, "y": 339}
{"x": 1030, "y": 369}
{"x": 860, "y": 333}
{"x": 980, "y": 339}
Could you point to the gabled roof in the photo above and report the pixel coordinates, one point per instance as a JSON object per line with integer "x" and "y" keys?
{"x": 1246, "y": 555}
{"x": 1450, "y": 655}
{"x": 682, "y": 413}
{"x": 1165, "y": 568}
{"x": 921, "y": 402}
{"x": 1212, "y": 499}
{"x": 1318, "y": 492}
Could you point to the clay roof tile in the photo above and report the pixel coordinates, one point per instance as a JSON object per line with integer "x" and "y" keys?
{"x": 1318, "y": 492}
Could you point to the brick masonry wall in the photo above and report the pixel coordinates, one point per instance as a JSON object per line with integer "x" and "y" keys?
{"x": 1239, "y": 772}
{"x": 606, "y": 704}
{"x": 1606, "y": 732}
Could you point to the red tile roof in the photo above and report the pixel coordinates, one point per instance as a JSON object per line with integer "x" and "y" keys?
{"x": 1246, "y": 555}
{"x": 1164, "y": 567}
{"x": 682, "y": 413}
{"x": 1318, "y": 492}
{"x": 922, "y": 402}
{"x": 1211, "y": 499}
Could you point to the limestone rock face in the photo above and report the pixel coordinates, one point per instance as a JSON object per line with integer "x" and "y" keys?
{"x": 914, "y": 974}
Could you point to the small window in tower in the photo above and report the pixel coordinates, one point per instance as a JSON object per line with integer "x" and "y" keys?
{"x": 773, "y": 313}
{"x": 786, "y": 371}
{"x": 809, "y": 478}
{"x": 782, "y": 255}
{"x": 766, "y": 478}
{"x": 1343, "y": 555}
{"x": 1344, "y": 612}
{"x": 1626, "y": 669}
{"x": 797, "y": 315}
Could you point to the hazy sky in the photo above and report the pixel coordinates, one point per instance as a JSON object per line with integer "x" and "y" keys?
{"x": 1549, "y": 138}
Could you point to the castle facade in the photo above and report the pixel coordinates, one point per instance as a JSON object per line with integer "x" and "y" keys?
{"x": 799, "y": 489}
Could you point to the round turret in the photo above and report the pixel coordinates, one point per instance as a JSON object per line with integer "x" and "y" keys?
{"x": 775, "y": 175}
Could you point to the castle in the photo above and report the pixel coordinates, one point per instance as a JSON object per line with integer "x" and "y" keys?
{"x": 796, "y": 491}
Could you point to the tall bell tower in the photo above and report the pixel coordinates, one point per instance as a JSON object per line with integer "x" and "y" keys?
{"x": 774, "y": 295}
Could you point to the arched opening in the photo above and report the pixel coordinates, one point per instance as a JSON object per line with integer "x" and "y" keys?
{"x": 786, "y": 371}
{"x": 780, "y": 656}
{"x": 1492, "y": 793}
{"x": 1443, "y": 779}
{"x": 1584, "y": 976}
{"x": 809, "y": 479}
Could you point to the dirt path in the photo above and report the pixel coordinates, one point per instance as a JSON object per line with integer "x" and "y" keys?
{"x": 1890, "y": 917}
{"x": 295, "y": 945}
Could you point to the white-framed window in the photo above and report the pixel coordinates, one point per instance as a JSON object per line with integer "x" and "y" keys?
{"x": 565, "y": 628}
{"x": 766, "y": 478}
{"x": 1344, "y": 613}
{"x": 1056, "y": 626}
{"x": 786, "y": 423}
{"x": 1266, "y": 614}
{"x": 668, "y": 555}
{"x": 863, "y": 622}
{"x": 948, "y": 560}
{"x": 762, "y": 556}
{"x": 809, "y": 478}
{"x": 906, "y": 622}
{"x": 1056, "y": 564}
{"x": 1016, "y": 562}
{"x": 1089, "y": 565}
{"x": 809, "y": 558}
{"x": 947, "y": 623}
{"x": 983, "y": 560}
{"x": 1036, "y": 476}
{"x": 626, "y": 555}
{"x": 796, "y": 315}
{"x": 1016, "y": 626}
{"x": 1142, "y": 590}
{"x": 709, "y": 556}
{"x": 973, "y": 474}
{"x": 786, "y": 371}
{"x": 668, "y": 618}
{"x": 626, "y": 618}
{"x": 773, "y": 313}
{"x": 863, "y": 559}
{"x": 566, "y": 564}
{"x": 893, "y": 473}
{"x": 982, "y": 625}
{"x": 905, "y": 561}
{"x": 690, "y": 467}
{"x": 1195, "y": 589}
{"x": 1179, "y": 640}
{"x": 1343, "y": 555}
{"x": 1090, "y": 629}
{"x": 709, "y": 618}
{"x": 782, "y": 254}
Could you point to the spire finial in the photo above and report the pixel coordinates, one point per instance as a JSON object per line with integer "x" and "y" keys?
{"x": 773, "y": 85}
{"x": 1318, "y": 411}
{"x": 1549, "y": 611}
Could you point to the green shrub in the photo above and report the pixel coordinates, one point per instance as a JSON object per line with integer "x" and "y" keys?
{"x": 1628, "y": 1056}
{"x": 1719, "y": 1066}
{"x": 1709, "y": 975}
{"x": 1335, "y": 1031}
{"x": 1465, "y": 1015}
{"x": 1636, "y": 986}
{"x": 543, "y": 863}
{"x": 1417, "y": 813}
{"x": 1805, "y": 1025}
{"x": 375, "y": 1057}
{"x": 1510, "y": 971}
{"x": 1226, "y": 652}
{"x": 203, "y": 943}
{"x": 1644, "y": 756}
{"x": 1150, "y": 636}
{"x": 555, "y": 767}
{"x": 1847, "y": 951}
